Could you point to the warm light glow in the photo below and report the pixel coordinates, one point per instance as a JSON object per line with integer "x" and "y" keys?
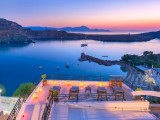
{"x": 40, "y": 89}
{"x": 54, "y": 82}
{"x": 100, "y": 84}
{"x": 136, "y": 15}
{"x": 81, "y": 84}
{"x": 35, "y": 95}
{"x": 68, "y": 83}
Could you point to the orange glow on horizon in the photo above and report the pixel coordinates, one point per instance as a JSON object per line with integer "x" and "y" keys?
{"x": 132, "y": 24}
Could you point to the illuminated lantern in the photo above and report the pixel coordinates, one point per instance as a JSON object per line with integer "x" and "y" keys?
{"x": 35, "y": 95}
{"x": 40, "y": 89}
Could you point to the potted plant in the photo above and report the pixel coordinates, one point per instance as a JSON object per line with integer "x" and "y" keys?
{"x": 44, "y": 79}
{"x": 55, "y": 96}
{"x": 138, "y": 97}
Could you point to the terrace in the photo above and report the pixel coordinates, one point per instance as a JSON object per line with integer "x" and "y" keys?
{"x": 89, "y": 100}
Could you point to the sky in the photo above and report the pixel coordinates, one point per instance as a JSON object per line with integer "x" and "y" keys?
{"x": 116, "y": 15}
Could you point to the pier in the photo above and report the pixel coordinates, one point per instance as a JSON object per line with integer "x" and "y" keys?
{"x": 89, "y": 58}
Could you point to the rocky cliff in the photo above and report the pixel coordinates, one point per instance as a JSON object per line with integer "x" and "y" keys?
{"x": 11, "y": 32}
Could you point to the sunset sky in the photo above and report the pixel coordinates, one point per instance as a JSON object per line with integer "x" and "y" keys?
{"x": 118, "y": 15}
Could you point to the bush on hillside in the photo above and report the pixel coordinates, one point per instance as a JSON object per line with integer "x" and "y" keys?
{"x": 24, "y": 90}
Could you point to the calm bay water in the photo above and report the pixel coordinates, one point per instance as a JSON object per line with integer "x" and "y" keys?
{"x": 19, "y": 64}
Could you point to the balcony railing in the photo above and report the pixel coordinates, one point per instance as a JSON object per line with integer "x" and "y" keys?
{"x": 47, "y": 109}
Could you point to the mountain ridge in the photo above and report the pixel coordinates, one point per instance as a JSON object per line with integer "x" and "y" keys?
{"x": 68, "y": 29}
{"x": 12, "y": 33}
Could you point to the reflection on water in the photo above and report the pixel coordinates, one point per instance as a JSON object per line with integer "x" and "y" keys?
{"x": 21, "y": 64}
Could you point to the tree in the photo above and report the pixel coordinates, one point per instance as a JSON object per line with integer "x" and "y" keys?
{"x": 24, "y": 90}
{"x": 2, "y": 87}
{"x": 145, "y": 53}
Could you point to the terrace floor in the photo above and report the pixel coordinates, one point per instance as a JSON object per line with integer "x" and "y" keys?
{"x": 77, "y": 112}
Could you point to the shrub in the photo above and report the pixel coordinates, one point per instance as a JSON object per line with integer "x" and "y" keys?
{"x": 138, "y": 89}
{"x": 43, "y": 76}
{"x": 24, "y": 90}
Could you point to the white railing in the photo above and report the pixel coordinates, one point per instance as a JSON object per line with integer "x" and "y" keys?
{"x": 148, "y": 93}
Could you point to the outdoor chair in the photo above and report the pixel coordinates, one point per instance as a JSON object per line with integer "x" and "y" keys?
{"x": 102, "y": 92}
{"x": 73, "y": 92}
{"x": 88, "y": 89}
{"x": 118, "y": 91}
{"x": 54, "y": 89}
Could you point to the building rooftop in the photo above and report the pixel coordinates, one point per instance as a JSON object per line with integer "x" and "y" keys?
{"x": 88, "y": 106}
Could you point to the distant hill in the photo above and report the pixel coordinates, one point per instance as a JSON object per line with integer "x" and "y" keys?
{"x": 69, "y": 29}
{"x": 11, "y": 33}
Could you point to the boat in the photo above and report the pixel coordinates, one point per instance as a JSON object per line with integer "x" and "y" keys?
{"x": 58, "y": 68}
{"x": 67, "y": 66}
{"x": 84, "y": 45}
{"x": 40, "y": 67}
